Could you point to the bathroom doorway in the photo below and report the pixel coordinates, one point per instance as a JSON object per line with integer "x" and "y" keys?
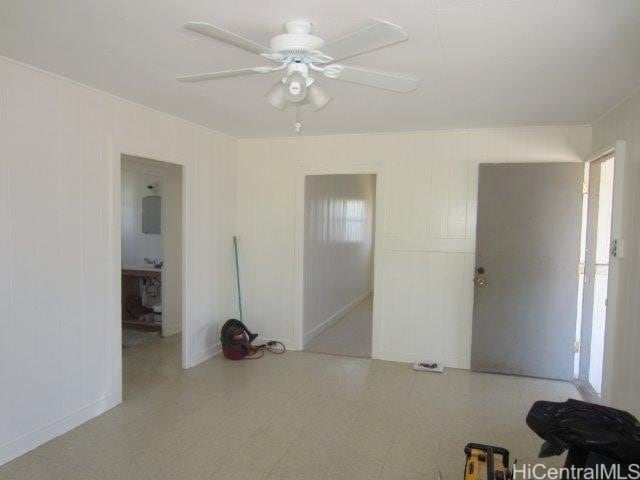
{"x": 151, "y": 261}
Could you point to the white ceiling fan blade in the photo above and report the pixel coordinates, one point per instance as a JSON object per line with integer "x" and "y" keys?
{"x": 396, "y": 82}
{"x": 199, "y": 77}
{"x": 227, "y": 37}
{"x": 372, "y": 34}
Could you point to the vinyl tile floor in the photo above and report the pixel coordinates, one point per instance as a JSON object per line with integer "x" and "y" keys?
{"x": 350, "y": 335}
{"x": 299, "y": 415}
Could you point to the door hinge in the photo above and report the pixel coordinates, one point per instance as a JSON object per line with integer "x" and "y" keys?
{"x": 616, "y": 248}
{"x": 581, "y": 268}
{"x": 585, "y": 188}
{"x": 576, "y": 347}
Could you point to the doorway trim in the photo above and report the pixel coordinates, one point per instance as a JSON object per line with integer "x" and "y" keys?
{"x": 364, "y": 169}
{"x": 618, "y": 151}
{"x": 115, "y": 151}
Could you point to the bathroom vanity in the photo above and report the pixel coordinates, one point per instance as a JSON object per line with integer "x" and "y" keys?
{"x": 134, "y": 314}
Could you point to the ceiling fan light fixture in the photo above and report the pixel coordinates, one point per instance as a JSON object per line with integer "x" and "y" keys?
{"x": 276, "y": 96}
{"x": 295, "y": 88}
{"x": 317, "y": 96}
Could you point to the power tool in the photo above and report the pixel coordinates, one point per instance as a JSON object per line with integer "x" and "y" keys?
{"x": 481, "y": 462}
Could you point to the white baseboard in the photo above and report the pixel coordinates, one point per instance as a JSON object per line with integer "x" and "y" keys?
{"x": 335, "y": 317}
{"x": 24, "y": 444}
{"x": 205, "y": 354}
{"x": 452, "y": 362}
{"x": 168, "y": 332}
{"x": 291, "y": 344}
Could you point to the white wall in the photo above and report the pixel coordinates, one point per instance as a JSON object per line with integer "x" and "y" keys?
{"x": 136, "y": 245}
{"x": 623, "y": 123}
{"x": 60, "y": 146}
{"x": 428, "y": 185}
{"x": 338, "y": 247}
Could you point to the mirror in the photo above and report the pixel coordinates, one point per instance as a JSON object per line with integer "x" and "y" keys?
{"x": 151, "y": 214}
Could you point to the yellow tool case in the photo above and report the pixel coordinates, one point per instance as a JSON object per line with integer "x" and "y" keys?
{"x": 481, "y": 462}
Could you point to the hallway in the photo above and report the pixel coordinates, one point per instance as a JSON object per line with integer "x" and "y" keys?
{"x": 349, "y": 336}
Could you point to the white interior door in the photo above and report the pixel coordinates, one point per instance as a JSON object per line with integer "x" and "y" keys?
{"x": 596, "y": 272}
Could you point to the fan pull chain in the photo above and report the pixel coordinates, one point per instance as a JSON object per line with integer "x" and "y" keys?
{"x": 298, "y": 124}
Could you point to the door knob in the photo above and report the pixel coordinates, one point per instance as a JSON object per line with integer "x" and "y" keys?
{"x": 480, "y": 280}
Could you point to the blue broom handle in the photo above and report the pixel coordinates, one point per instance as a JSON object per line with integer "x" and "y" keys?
{"x": 235, "y": 248}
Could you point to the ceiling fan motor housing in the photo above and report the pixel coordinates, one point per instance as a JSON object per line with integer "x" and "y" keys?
{"x": 297, "y": 40}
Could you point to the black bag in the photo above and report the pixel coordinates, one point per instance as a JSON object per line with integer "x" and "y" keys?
{"x": 236, "y": 340}
{"x": 592, "y": 434}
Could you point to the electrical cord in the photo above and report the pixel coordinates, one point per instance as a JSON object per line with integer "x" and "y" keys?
{"x": 273, "y": 347}
{"x": 257, "y": 351}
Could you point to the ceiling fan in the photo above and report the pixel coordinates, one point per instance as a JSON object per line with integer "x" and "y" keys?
{"x": 297, "y": 53}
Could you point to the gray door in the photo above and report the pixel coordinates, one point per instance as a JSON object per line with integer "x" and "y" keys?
{"x": 527, "y": 256}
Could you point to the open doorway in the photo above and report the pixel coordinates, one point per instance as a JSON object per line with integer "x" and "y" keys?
{"x": 151, "y": 263}
{"x": 339, "y": 213}
{"x": 594, "y": 271}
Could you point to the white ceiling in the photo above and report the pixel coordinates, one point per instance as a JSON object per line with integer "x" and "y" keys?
{"x": 483, "y": 62}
